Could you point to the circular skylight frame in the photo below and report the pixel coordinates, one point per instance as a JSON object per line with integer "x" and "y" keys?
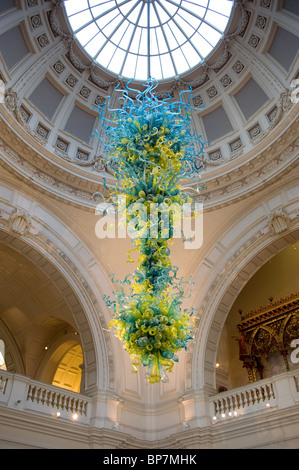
{"x": 139, "y": 39}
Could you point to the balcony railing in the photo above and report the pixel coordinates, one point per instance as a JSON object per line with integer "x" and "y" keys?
{"x": 279, "y": 391}
{"x": 24, "y": 394}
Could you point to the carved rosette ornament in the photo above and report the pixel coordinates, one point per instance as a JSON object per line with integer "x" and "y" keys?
{"x": 12, "y": 103}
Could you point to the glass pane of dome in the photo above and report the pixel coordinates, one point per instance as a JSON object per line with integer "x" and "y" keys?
{"x": 182, "y": 32}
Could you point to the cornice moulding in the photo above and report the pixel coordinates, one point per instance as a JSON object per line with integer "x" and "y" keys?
{"x": 64, "y": 180}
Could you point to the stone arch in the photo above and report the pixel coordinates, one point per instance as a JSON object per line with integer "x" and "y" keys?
{"x": 254, "y": 247}
{"x": 58, "y": 348}
{"x": 15, "y": 360}
{"x": 32, "y": 239}
{"x": 235, "y": 283}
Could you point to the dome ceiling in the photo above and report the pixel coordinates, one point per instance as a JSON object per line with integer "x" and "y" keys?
{"x": 242, "y": 91}
{"x": 140, "y": 39}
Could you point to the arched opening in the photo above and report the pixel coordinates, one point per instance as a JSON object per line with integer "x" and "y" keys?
{"x": 255, "y": 342}
{"x": 2, "y": 355}
{"x": 38, "y": 324}
{"x": 69, "y": 370}
{"x": 32, "y": 309}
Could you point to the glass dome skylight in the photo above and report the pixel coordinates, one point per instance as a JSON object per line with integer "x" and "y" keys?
{"x": 148, "y": 38}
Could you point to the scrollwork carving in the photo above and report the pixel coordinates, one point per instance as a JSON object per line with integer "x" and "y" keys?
{"x": 19, "y": 222}
{"x": 12, "y": 103}
{"x": 278, "y": 222}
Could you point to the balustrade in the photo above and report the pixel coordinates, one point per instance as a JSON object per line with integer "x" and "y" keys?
{"x": 279, "y": 391}
{"x": 243, "y": 399}
{"x": 28, "y": 395}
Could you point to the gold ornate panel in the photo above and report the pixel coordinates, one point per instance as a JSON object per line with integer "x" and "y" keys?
{"x": 266, "y": 330}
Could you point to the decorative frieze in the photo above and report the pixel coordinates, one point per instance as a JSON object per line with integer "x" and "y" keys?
{"x": 244, "y": 181}
{"x": 252, "y": 177}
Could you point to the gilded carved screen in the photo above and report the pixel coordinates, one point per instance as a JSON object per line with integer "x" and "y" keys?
{"x": 267, "y": 330}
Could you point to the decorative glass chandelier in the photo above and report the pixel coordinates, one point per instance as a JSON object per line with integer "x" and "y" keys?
{"x": 150, "y": 149}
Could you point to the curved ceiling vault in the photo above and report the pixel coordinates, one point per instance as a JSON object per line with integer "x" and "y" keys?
{"x": 52, "y": 86}
{"x": 36, "y": 318}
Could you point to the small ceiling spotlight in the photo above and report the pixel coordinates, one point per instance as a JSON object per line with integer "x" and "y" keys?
{"x": 75, "y": 416}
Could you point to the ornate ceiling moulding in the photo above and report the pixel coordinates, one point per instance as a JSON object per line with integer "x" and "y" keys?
{"x": 281, "y": 110}
{"x": 13, "y": 104}
{"x": 215, "y": 159}
{"x": 55, "y": 21}
{"x": 19, "y": 144}
{"x": 29, "y": 163}
{"x": 246, "y": 180}
{"x": 70, "y": 41}
{"x": 48, "y": 181}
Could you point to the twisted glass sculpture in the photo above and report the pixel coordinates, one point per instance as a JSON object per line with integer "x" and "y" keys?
{"x": 151, "y": 149}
